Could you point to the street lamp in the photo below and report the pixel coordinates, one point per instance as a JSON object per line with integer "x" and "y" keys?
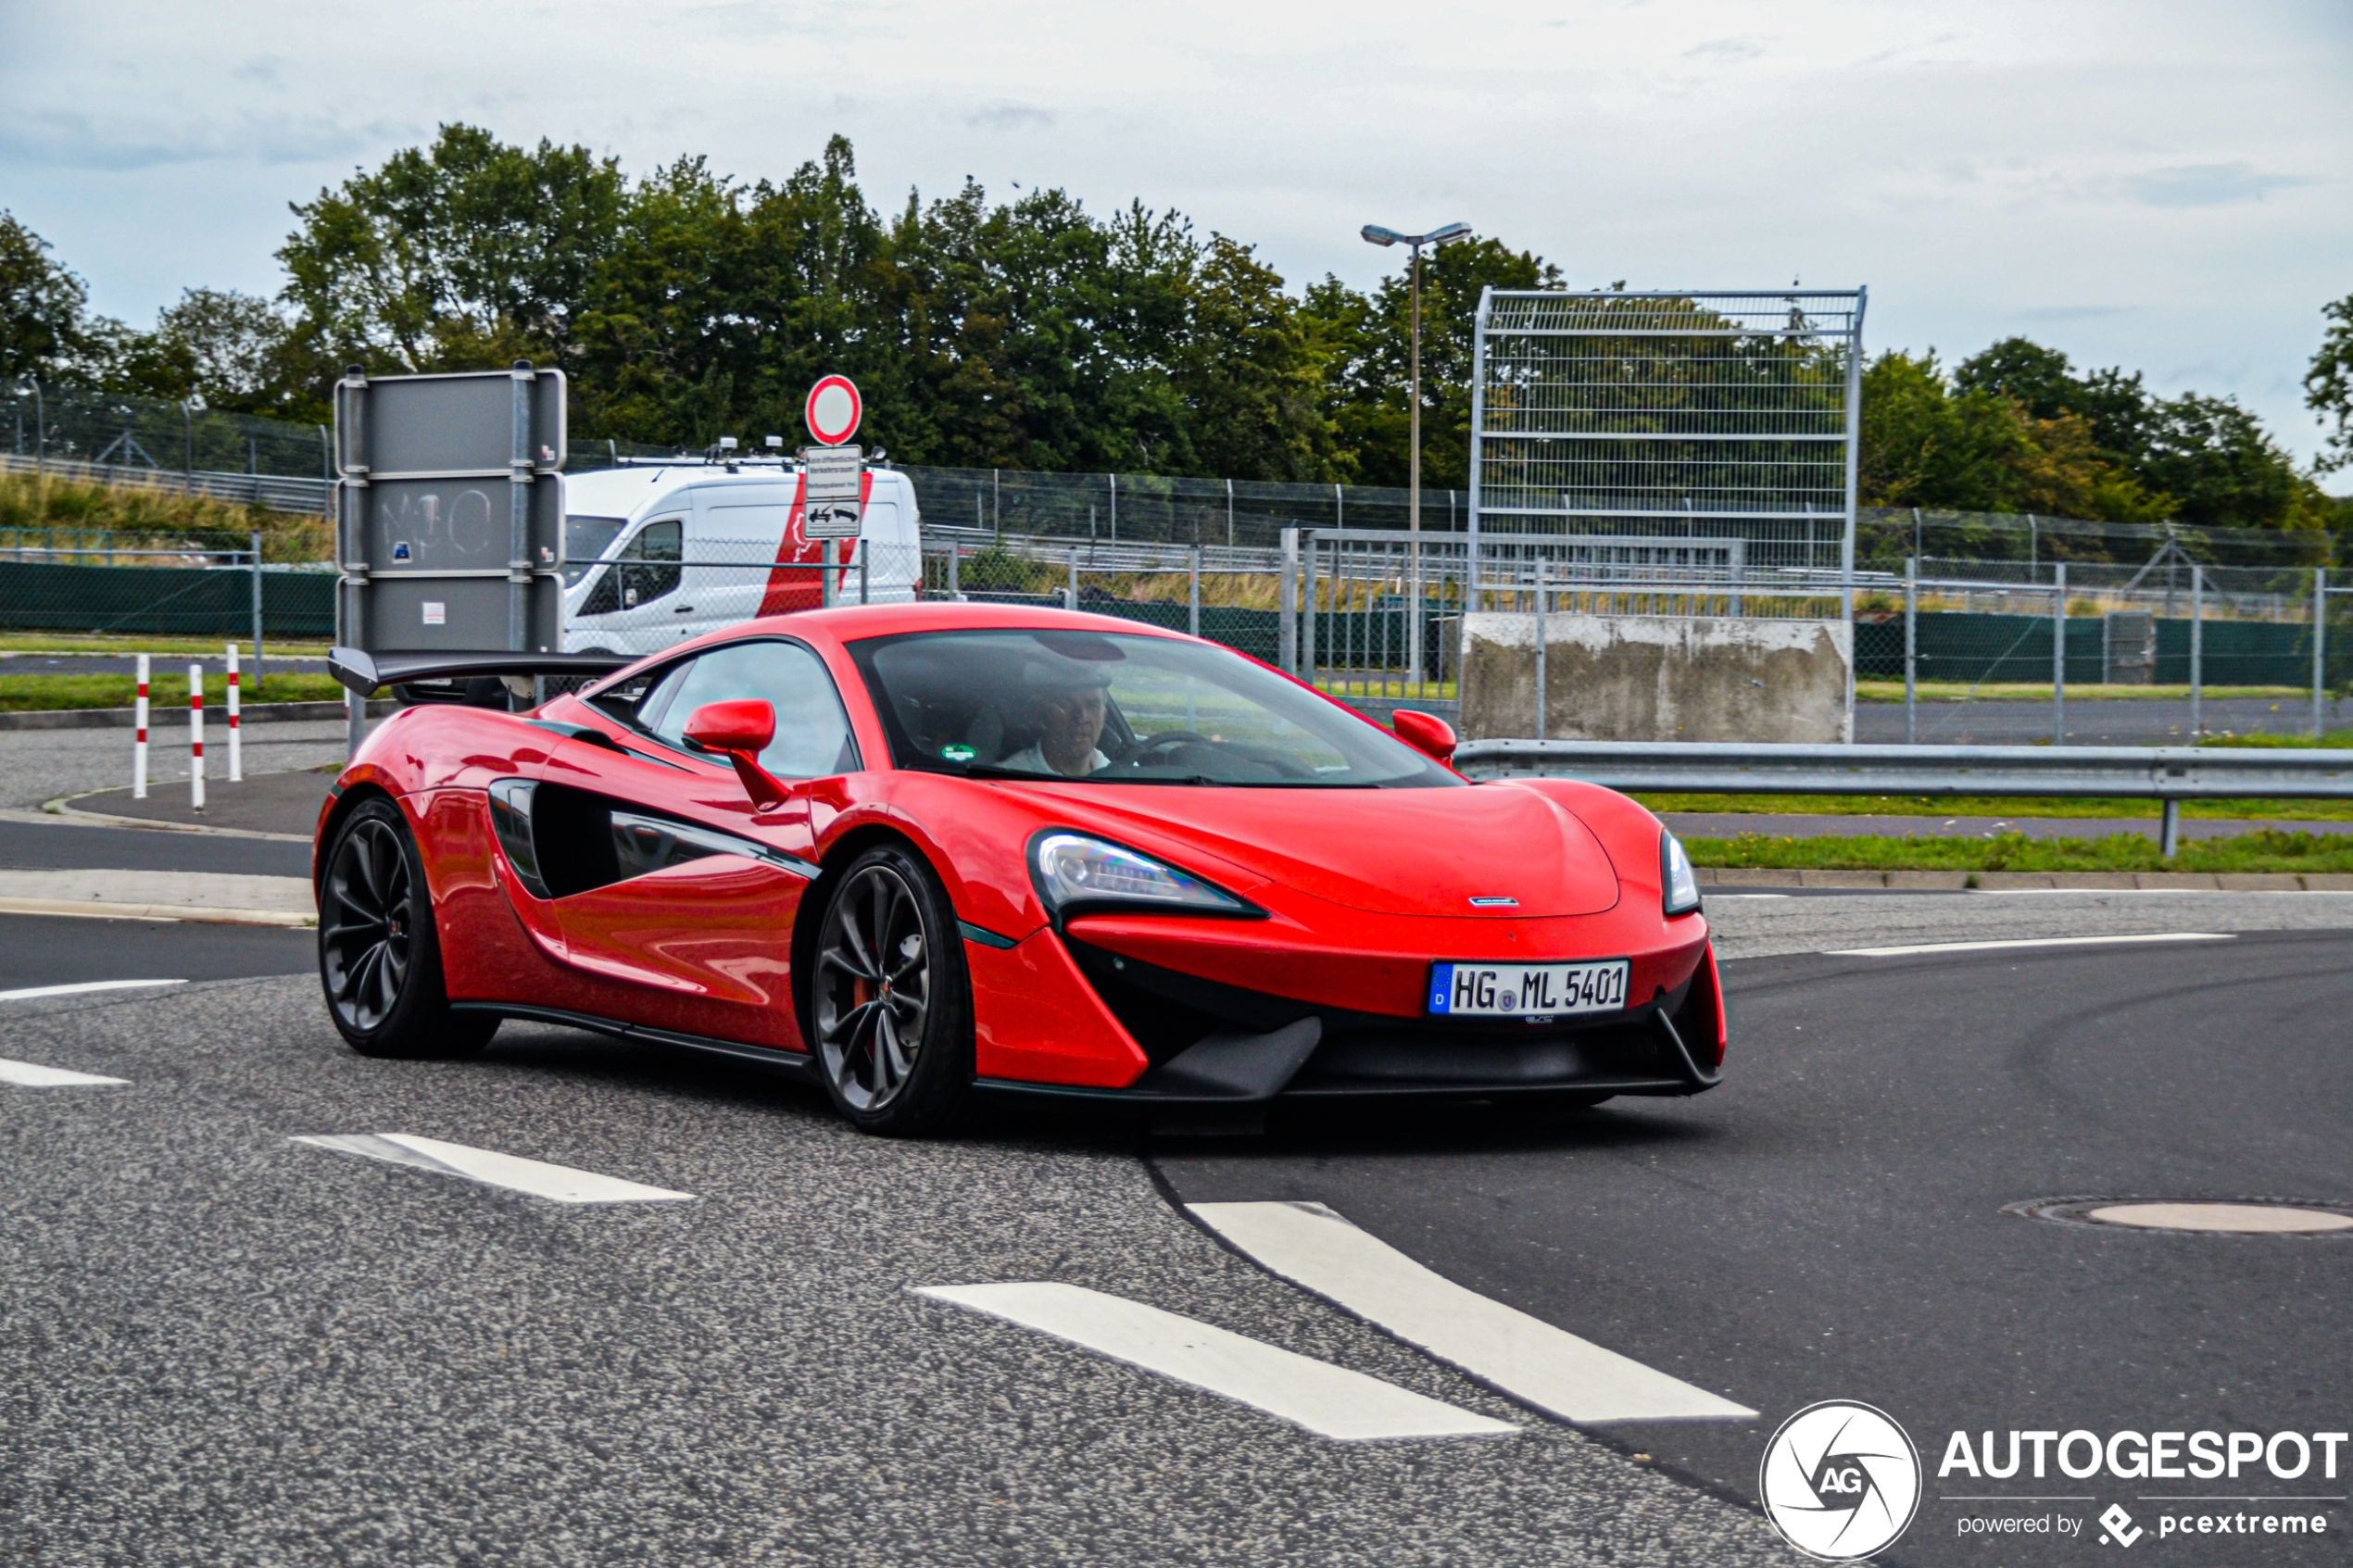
{"x": 1376, "y": 234}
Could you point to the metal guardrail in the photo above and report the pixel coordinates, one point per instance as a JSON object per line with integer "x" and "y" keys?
{"x": 2170, "y": 774}
{"x": 277, "y": 493}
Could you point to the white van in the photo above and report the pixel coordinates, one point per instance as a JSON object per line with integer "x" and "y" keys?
{"x": 659, "y": 552}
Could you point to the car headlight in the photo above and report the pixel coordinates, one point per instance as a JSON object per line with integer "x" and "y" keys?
{"x": 1676, "y": 877}
{"x": 1073, "y": 869}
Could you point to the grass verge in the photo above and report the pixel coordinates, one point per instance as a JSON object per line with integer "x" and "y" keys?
{"x": 136, "y": 643}
{"x": 1961, "y": 691}
{"x": 1943, "y": 806}
{"x": 49, "y": 694}
{"x": 2263, "y": 850}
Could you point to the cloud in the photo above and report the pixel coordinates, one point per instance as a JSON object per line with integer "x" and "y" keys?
{"x": 2074, "y": 312}
{"x": 1010, "y": 117}
{"x": 2207, "y": 185}
{"x": 1726, "y": 51}
{"x": 61, "y": 138}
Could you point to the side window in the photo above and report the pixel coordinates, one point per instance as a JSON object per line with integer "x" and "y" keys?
{"x": 645, "y": 571}
{"x": 813, "y": 733}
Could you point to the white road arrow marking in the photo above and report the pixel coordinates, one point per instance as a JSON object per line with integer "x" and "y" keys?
{"x": 1327, "y": 1401}
{"x": 2029, "y": 942}
{"x": 27, "y": 1075}
{"x": 558, "y": 1184}
{"x": 30, "y": 992}
{"x": 1524, "y": 1357}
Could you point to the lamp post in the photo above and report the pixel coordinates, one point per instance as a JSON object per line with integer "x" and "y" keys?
{"x": 1374, "y": 233}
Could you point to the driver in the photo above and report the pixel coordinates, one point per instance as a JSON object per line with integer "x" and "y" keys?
{"x": 1068, "y": 705}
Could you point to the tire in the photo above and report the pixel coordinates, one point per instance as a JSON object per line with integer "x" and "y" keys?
{"x": 890, "y": 999}
{"x": 379, "y": 952}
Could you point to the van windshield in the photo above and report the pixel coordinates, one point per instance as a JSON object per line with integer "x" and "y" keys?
{"x": 1102, "y": 707}
{"x": 585, "y": 540}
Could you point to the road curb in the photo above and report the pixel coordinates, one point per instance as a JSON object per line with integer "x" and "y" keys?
{"x": 196, "y": 913}
{"x": 62, "y": 808}
{"x": 1996, "y": 882}
{"x": 174, "y": 716}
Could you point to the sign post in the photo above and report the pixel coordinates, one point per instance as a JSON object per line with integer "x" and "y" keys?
{"x": 833, "y": 497}
{"x": 449, "y": 519}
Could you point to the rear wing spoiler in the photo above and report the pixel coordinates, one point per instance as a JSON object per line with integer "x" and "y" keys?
{"x": 368, "y": 673}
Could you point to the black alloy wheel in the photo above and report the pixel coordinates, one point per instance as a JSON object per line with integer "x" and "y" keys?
{"x": 378, "y": 953}
{"x": 889, "y": 996}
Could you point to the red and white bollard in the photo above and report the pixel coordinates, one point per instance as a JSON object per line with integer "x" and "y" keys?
{"x": 139, "y": 747}
{"x": 236, "y": 757}
{"x": 196, "y": 736}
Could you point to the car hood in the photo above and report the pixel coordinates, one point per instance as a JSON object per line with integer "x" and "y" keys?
{"x": 1389, "y": 851}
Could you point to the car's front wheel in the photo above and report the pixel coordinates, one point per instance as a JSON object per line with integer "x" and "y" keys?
{"x": 889, "y": 999}
{"x": 379, "y": 953}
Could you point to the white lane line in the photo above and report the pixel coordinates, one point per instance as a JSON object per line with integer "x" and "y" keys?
{"x": 1524, "y": 1357}
{"x": 2029, "y": 942}
{"x": 1327, "y": 1401}
{"x": 27, "y": 1075}
{"x": 559, "y": 1184}
{"x": 29, "y": 991}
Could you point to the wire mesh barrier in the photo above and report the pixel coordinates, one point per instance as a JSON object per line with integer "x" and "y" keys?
{"x": 90, "y": 581}
{"x": 1704, "y": 414}
{"x": 79, "y": 430}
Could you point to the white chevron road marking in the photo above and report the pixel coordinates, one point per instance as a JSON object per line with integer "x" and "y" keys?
{"x": 1524, "y": 1357}
{"x": 558, "y": 1184}
{"x": 1327, "y": 1401}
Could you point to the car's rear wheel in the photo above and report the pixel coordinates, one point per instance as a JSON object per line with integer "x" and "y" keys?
{"x": 379, "y": 953}
{"x": 890, "y": 999}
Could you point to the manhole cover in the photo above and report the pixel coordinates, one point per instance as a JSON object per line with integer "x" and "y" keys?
{"x": 2233, "y": 1216}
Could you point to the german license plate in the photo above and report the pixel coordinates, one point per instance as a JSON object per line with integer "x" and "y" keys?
{"x": 1526, "y": 990}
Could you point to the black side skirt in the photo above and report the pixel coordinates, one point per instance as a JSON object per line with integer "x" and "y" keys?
{"x": 798, "y": 1065}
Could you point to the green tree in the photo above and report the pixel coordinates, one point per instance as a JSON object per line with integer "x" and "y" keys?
{"x": 40, "y": 306}
{"x": 2328, "y": 385}
{"x": 468, "y": 251}
{"x": 1367, "y": 344}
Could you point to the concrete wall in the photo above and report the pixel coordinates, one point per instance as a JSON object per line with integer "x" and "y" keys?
{"x": 1655, "y": 677}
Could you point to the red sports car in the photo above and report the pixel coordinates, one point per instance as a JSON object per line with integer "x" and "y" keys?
{"x": 920, "y": 852}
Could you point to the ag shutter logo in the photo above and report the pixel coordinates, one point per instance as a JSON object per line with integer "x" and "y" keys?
{"x": 2117, "y": 1525}
{"x": 1839, "y": 1480}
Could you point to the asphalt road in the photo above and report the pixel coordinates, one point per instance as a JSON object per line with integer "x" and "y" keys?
{"x": 1828, "y": 1224}
{"x": 2125, "y": 721}
{"x": 58, "y": 845}
{"x": 220, "y": 1347}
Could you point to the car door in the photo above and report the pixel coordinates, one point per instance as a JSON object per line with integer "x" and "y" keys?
{"x": 695, "y": 891}
{"x": 635, "y": 605}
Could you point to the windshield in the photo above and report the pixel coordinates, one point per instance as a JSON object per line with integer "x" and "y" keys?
{"x": 584, "y": 541}
{"x": 1102, "y": 707}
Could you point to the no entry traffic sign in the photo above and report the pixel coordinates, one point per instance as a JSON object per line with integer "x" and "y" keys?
{"x": 833, "y": 411}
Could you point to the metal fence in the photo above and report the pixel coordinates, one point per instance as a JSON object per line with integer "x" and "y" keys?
{"x": 1702, "y": 414}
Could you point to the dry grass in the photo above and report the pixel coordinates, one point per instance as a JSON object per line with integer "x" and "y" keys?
{"x": 154, "y": 513}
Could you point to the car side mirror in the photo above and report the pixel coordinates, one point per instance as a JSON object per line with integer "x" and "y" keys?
{"x": 740, "y": 732}
{"x": 1426, "y": 732}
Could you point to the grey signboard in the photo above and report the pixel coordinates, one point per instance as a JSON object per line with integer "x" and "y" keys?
{"x": 450, "y": 511}
{"x": 836, "y": 491}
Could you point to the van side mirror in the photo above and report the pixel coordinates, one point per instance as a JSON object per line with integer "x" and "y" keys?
{"x": 1426, "y": 732}
{"x": 740, "y": 731}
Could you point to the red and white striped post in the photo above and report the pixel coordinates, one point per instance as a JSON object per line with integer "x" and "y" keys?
{"x": 236, "y": 757}
{"x": 139, "y": 747}
{"x": 196, "y": 736}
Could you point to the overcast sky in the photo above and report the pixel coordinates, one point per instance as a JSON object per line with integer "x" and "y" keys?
{"x": 2162, "y": 185}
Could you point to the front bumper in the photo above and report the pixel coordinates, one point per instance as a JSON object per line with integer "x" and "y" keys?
{"x": 1215, "y": 1047}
